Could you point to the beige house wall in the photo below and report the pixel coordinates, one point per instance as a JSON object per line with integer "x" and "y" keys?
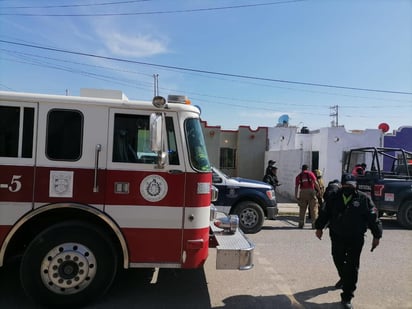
{"x": 250, "y": 148}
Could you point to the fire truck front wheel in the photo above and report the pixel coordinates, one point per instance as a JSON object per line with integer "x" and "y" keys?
{"x": 68, "y": 264}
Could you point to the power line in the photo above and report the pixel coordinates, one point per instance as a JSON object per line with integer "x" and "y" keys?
{"x": 156, "y": 12}
{"x": 73, "y": 5}
{"x": 206, "y": 72}
{"x": 15, "y": 52}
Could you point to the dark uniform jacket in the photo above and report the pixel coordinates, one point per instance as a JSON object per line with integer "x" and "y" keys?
{"x": 271, "y": 179}
{"x": 349, "y": 221}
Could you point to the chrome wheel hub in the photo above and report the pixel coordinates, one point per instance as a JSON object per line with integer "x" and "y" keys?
{"x": 68, "y": 268}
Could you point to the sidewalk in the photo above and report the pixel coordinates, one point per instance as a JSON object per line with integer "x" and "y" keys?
{"x": 286, "y": 205}
{"x": 288, "y": 208}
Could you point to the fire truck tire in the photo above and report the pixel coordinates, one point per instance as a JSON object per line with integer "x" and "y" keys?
{"x": 68, "y": 265}
{"x": 251, "y": 216}
{"x": 404, "y": 215}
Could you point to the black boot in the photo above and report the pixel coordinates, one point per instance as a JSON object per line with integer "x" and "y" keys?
{"x": 346, "y": 301}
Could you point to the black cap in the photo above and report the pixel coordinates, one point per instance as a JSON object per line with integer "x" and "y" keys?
{"x": 305, "y": 167}
{"x": 348, "y": 179}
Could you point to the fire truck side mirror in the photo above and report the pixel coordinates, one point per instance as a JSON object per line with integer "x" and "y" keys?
{"x": 156, "y": 124}
{"x": 157, "y": 136}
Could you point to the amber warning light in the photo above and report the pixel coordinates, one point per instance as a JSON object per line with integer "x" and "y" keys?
{"x": 178, "y": 99}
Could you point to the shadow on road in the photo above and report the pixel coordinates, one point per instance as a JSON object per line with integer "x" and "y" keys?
{"x": 131, "y": 289}
{"x": 173, "y": 289}
{"x": 297, "y": 301}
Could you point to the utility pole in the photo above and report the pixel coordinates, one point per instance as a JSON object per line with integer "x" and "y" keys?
{"x": 156, "y": 84}
{"x": 334, "y": 112}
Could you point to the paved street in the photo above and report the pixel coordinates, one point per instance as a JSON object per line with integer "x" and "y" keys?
{"x": 292, "y": 269}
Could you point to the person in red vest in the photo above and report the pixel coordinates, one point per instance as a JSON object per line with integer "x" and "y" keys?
{"x": 306, "y": 186}
{"x": 359, "y": 169}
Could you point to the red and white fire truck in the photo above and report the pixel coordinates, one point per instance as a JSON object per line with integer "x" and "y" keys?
{"x": 92, "y": 183}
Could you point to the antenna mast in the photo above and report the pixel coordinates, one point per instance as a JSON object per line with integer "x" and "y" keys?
{"x": 156, "y": 84}
{"x": 334, "y": 112}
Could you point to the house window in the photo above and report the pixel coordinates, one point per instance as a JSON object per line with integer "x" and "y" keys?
{"x": 227, "y": 158}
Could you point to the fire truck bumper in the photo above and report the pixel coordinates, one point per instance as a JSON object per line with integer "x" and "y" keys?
{"x": 234, "y": 250}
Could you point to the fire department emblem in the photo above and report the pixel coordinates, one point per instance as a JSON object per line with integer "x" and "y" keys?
{"x": 61, "y": 184}
{"x": 153, "y": 188}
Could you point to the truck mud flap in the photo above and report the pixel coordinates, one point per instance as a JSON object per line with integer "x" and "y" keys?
{"x": 234, "y": 251}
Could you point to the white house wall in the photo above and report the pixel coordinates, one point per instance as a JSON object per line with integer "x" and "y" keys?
{"x": 291, "y": 149}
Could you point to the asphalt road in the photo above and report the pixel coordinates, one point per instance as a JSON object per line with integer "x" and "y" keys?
{"x": 292, "y": 269}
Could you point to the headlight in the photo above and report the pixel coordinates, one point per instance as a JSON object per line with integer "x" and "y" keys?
{"x": 271, "y": 194}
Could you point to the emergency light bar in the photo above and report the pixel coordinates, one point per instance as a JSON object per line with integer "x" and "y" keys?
{"x": 160, "y": 102}
{"x": 178, "y": 99}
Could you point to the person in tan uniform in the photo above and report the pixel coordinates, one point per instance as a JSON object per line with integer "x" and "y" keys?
{"x": 306, "y": 186}
{"x": 321, "y": 192}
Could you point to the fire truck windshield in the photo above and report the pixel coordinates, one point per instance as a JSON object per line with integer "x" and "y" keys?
{"x": 196, "y": 145}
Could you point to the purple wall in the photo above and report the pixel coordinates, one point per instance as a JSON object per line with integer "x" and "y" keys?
{"x": 401, "y": 138}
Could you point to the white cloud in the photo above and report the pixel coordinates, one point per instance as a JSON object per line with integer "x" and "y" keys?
{"x": 133, "y": 46}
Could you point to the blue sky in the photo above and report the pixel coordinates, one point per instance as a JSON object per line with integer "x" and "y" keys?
{"x": 202, "y": 48}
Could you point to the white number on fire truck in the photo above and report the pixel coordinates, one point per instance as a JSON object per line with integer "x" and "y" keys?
{"x": 15, "y": 185}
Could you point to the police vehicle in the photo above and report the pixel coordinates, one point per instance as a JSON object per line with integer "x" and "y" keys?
{"x": 251, "y": 200}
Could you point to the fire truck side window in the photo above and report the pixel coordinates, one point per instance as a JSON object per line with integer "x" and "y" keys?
{"x": 131, "y": 140}
{"x": 171, "y": 140}
{"x": 196, "y": 145}
{"x": 9, "y": 131}
{"x": 64, "y": 135}
{"x": 28, "y": 125}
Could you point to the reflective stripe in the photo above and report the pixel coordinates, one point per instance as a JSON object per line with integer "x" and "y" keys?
{"x": 127, "y": 216}
{"x": 159, "y": 216}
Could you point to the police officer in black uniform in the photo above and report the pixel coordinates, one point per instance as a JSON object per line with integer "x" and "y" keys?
{"x": 272, "y": 177}
{"x": 349, "y": 213}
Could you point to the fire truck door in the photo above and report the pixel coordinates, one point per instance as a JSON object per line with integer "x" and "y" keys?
{"x": 145, "y": 200}
{"x": 69, "y": 166}
{"x": 18, "y": 127}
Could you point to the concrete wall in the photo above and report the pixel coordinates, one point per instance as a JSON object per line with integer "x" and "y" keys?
{"x": 331, "y": 143}
{"x": 250, "y": 148}
{"x": 289, "y": 163}
{"x": 251, "y": 152}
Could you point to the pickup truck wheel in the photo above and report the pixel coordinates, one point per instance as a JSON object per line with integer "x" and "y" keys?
{"x": 405, "y": 215}
{"x": 68, "y": 264}
{"x": 250, "y": 215}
